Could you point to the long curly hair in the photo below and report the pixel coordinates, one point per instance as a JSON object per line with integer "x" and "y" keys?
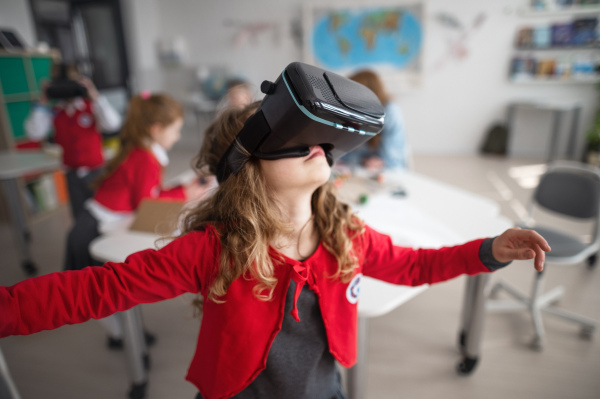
{"x": 247, "y": 218}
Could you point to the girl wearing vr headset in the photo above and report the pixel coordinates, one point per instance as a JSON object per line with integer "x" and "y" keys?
{"x": 151, "y": 128}
{"x": 276, "y": 260}
{"x": 78, "y": 116}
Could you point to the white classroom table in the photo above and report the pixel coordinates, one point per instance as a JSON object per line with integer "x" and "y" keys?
{"x": 14, "y": 165}
{"x": 431, "y": 215}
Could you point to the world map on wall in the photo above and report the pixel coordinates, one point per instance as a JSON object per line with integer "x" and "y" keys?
{"x": 345, "y": 38}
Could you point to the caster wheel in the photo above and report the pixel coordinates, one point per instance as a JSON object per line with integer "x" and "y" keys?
{"x": 147, "y": 362}
{"x": 587, "y": 332}
{"x": 537, "y": 344}
{"x": 467, "y": 365}
{"x": 591, "y": 261}
{"x": 30, "y": 268}
{"x": 138, "y": 391}
{"x": 462, "y": 341}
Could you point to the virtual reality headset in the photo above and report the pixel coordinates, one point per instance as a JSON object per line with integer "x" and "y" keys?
{"x": 63, "y": 88}
{"x": 304, "y": 107}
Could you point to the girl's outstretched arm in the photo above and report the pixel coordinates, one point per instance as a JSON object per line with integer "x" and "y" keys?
{"x": 407, "y": 266}
{"x": 70, "y": 297}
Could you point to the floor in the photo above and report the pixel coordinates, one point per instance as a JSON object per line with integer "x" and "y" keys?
{"x": 412, "y": 350}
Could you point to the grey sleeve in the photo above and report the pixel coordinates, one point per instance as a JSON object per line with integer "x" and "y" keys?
{"x": 486, "y": 257}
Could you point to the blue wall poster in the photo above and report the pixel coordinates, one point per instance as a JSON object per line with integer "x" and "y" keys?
{"x": 350, "y": 38}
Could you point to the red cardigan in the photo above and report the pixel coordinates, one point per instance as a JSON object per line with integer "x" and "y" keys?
{"x": 138, "y": 177}
{"x": 78, "y": 135}
{"x": 235, "y": 336}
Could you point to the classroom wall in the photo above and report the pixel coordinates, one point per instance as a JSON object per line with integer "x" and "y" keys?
{"x": 449, "y": 113}
{"x": 16, "y": 14}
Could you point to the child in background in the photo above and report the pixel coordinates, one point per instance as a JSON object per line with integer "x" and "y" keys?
{"x": 77, "y": 125}
{"x": 277, "y": 259}
{"x": 238, "y": 95}
{"x": 152, "y": 126}
{"x": 388, "y": 149}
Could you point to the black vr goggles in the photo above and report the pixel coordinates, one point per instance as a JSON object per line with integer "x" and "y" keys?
{"x": 63, "y": 88}
{"x": 306, "y": 106}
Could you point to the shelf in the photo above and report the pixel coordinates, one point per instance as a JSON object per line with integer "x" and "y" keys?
{"x": 561, "y": 48}
{"x": 559, "y": 12}
{"x": 553, "y": 81}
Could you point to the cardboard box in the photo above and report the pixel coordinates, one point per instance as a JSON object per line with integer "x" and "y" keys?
{"x": 157, "y": 216}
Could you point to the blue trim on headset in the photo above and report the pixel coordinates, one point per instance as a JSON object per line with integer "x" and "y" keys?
{"x": 321, "y": 120}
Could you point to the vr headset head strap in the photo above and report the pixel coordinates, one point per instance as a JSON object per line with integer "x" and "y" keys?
{"x": 255, "y": 129}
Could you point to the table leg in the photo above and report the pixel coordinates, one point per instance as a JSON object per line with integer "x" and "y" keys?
{"x": 357, "y": 375}
{"x": 475, "y": 317}
{"x": 466, "y": 314}
{"x": 21, "y": 234}
{"x": 8, "y": 389}
{"x": 135, "y": 350}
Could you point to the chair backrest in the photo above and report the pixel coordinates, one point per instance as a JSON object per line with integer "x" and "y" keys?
{"x": 570, "y": 189}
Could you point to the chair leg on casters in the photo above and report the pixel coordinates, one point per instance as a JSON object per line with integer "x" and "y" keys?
{"x": 588, "y": 326}
{"x": 536, "y": 304}
{"x": 538, "y": 285}
{"x": 538, "y": 340}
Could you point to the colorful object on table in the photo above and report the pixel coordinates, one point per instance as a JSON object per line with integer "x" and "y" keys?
{"x": 380, "y": 178}
{"x": 363, "y": 199}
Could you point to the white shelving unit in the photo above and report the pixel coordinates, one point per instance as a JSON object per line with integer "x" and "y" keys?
{"x": 559, "y": 12}
{"x": 574, "y": 11}
{"x": 553, "y": 81}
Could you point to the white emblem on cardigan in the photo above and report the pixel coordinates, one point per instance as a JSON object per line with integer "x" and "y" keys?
{"x": 353, "y": 290}
{"x": 85, "y": 120}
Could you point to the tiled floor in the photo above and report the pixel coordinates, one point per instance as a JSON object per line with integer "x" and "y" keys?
{"x": 412, "y": 349}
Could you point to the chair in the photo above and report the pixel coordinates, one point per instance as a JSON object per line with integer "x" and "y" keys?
{"x": 571, "y": 191}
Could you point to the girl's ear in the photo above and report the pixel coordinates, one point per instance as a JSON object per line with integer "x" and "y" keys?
{"x": 155, "y": 130}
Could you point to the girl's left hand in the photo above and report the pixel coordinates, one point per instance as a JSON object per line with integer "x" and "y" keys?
{"x": 520, "y": 244}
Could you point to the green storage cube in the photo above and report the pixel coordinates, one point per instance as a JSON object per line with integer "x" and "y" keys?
{"x": 13, "y": 76}
{"x": 41, "y": 69}
{"x": 18, "y": 112}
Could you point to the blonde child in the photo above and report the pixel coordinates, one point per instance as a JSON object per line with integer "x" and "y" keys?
{"x": 273, "y": 254}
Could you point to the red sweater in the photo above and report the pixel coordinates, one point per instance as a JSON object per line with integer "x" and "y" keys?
{"x": 78, "y": 136}
{"x": 235, "y": 336}
{"x": 138, "y": 177}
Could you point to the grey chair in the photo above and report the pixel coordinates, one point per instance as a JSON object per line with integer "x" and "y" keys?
{"x": 568, "y": 190}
